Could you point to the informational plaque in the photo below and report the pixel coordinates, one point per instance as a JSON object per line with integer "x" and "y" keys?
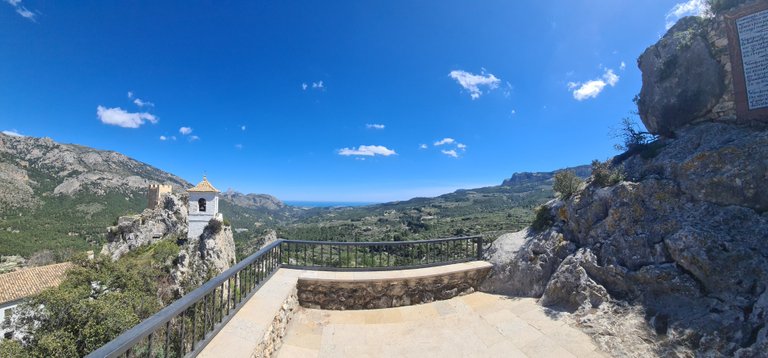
{"x": 748, "y": 47}
{"x": 753, "y": 40}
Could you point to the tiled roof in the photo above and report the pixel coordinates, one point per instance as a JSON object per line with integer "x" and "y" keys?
{"x": 204, "y": 187}
{"x": 29, "y": 281}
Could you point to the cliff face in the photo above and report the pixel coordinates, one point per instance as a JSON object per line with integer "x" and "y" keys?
{"x": 674, "y": 259}
{"x": 204, "y": 257}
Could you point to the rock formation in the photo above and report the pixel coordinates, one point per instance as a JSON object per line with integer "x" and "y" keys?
{"x": 199, "y": 259}
{"x": 205, "y": 257}
{"x": 674, "y": 259}
{"x": 166, "y": 222}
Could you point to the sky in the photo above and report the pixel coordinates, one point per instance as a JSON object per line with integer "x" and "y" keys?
{"x": 365, "y": 101}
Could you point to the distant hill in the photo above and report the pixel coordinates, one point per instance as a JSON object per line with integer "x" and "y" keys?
{"x": 544, "y": 178}
{"x": 487, "y": 211}
{"x": 61, "y": 197}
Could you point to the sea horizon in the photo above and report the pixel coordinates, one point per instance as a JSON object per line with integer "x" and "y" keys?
{"x": 325, "y": 204}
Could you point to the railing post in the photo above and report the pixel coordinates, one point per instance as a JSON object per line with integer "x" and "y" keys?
{"x": 479, "y": 241}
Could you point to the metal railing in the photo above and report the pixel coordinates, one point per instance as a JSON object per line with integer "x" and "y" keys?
{"x": 373, "y": 256}
{"x": 185, "y": 327}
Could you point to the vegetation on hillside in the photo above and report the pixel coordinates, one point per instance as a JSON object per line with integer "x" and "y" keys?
{"x": 98, "y": 300}
{"x": 63, "y": 224}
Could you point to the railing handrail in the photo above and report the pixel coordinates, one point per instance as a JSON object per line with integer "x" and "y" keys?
{"x": 130, "y": 338}
{"x": 379, "y": 243}
{"x": 127, "y": 339}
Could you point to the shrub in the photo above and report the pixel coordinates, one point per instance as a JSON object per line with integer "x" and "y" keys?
{"x": 604, "y": 174}
{"x": 632, "y": 138}
{"x": 566, "y": 183}
{"x": 214, "y": 226}
{"x": 226, "y": 223}
{"x": 543, "y": 218}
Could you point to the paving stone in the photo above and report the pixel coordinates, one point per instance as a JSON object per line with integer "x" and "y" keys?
{"x": 476, "y": 325}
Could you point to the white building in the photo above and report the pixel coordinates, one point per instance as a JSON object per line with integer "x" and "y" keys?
{"x": 203, "y": 206}
{"x": 17, "y": 286}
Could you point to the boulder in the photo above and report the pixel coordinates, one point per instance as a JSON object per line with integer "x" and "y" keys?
{"x": 524, "y": 261}
{"x": 570, "y": 288}
{"x": 682, "y": 80}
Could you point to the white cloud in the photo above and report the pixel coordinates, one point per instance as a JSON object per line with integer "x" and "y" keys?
{"x": 623, "y": 66}
{"x": 445, "y": 141}
{"x": 138, "y": 101}
{"x": 688, "y": 8}
{"x": 451, "y": 153}
{"x": 374, "y": 126}
{"x": 318, "y": 85}
{"x": 13, "y": 133}
{"x": 162, "y": 137}
{"x": 367, "y": 150}
{"x": 472, "y": 82}
{"x": 185, "y": 130}
{"x": 121, "y": 118}
{"x": 513, "y": 112}
{"x": 239, "y": 146}
{"x": 193, "y": 138}
{"x": 242, "y": 128}
{"x": 423, "y": 146}
{"x": 141, "y": 103}
{"x": 461, "y": 146}
{"x": 508, "y": 90}
{"x": 304, "y": 86}
{"x": 591, "y": 89}
{"x": 21, "y": 10}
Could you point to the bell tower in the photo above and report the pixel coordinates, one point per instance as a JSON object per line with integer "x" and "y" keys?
{"x": 203, "y": 206}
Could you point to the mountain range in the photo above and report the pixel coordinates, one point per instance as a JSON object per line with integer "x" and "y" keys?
{"x": 61, "y": 197}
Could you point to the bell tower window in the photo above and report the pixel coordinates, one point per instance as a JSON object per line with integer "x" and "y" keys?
{"x": 201, "y": 204}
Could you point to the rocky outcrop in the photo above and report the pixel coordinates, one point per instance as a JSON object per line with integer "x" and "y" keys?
{"x": 688, "y": 75}
{"x": 202, "y": 258}
{"x": 539, "y": 177}
{"x": 524, "y": 261}
{"x": 676, "y": 254}
{"x": 167, "y": 222}
{"x": 682, "y": 80}
{"x": 199, "y": 259}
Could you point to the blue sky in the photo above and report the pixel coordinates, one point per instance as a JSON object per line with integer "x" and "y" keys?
{"x": 330, "y": 100}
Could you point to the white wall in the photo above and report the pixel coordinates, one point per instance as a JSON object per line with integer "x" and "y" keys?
{"x": 197, "y": 219}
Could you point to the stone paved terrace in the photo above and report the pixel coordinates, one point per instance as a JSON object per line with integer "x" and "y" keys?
{"x": 474, "y": 325}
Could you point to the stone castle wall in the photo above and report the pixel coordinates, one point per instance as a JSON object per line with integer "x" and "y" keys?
{"x": 155, "y": 192}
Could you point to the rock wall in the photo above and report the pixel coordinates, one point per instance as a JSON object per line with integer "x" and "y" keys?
{"x": 273, "y": 338}
{"x": 386, "y": 293}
